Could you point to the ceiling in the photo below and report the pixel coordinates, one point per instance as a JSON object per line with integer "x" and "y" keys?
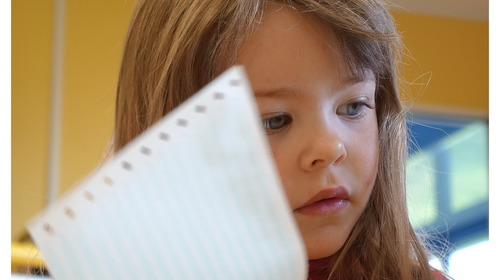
{"x": 464, "y": 9}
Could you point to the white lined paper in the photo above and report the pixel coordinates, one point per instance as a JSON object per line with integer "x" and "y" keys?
{"x": 204, "y": 202}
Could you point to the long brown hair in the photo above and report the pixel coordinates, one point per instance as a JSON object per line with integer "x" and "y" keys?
{"x": 174, "y": 47}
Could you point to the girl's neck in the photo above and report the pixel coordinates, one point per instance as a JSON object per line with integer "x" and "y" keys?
{"x": 319, "y": 269}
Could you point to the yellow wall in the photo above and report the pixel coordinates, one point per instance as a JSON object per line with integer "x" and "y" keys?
{"x": 455, "y": 51}
{"x": 453, "y": 54}
{"x": 31, "y": 64}
{"x": 94, "y": 35}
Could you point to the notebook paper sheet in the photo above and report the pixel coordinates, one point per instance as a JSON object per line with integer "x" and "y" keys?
{"x": 194, "y": 197}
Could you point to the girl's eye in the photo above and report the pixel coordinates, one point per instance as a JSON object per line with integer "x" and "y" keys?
{"x": 354, "y": 109}
{"x": 275, "y": 123}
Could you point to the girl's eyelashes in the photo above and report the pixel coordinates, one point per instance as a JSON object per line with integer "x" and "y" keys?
{"x": 354, "y": 110}
{"x": 276, "y": 123}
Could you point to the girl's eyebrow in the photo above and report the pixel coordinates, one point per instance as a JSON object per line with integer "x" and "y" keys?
{"x": 277, "y": 92}
{"x": 292, "y": 92}
{"x": 352, "y": 80}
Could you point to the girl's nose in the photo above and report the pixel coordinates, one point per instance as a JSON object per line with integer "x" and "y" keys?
{"x": 322, "y": 150}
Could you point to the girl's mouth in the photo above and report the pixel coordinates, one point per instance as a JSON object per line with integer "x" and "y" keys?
{"x": 326, "y": 201}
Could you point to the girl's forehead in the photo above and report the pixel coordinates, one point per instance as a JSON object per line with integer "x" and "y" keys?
{"x": 292, "y": 46}
{"x": 281, "y": 28}
{"x": 283, "y": 18}
{"x": 283, "y": 31}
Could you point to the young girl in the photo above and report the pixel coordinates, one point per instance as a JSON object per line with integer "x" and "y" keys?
{"x": 325, "y": 81}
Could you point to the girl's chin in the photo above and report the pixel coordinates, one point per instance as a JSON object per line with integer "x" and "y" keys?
{"x": 322, "y": 252}
{"x": 325, "y": 243}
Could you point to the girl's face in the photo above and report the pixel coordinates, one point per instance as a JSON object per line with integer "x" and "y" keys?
{"x": 321, "y": 124}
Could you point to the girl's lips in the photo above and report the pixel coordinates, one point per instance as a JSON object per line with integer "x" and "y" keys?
{"x": 326, "y": 201}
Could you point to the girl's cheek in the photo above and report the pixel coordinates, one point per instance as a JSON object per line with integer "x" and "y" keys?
{"x": 370, "y": 166}
{"x": 283, "y": 161}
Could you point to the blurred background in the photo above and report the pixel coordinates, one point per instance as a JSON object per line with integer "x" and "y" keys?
{"x": 65, "y": 60}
